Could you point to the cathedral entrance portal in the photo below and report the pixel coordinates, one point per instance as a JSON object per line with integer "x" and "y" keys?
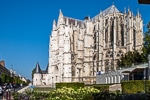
{"x": 44, "y": 83}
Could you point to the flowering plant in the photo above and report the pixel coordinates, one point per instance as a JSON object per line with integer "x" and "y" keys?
{"x": 72, "y": 94}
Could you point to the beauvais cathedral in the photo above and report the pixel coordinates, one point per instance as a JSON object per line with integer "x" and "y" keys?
{"x": 80, "y": 49}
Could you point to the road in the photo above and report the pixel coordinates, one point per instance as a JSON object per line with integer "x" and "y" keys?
{"x": 7, "y": 95}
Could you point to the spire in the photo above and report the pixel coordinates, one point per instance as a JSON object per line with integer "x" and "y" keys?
{"x": 132, "y": 13}
{"x": 60, "y": 13}
{"x": 113, "y": 5}
{"x": 128, "y": 9}
{"x": 125, "y": 10}
{"x": 60, "y": 18}
{"x": 129, "y": 12}
{"x": 37, "y": 68}
{"x": 54, "y": 24}
{"x": 138, "y": 13}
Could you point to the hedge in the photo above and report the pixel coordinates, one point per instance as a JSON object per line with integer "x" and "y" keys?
{"x": 135, "y": 86}
{"x": 74, "y": 85}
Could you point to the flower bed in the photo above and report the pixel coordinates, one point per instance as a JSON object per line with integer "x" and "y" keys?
{"x": 72, "y": 94}
{"x": 62, "y": 94}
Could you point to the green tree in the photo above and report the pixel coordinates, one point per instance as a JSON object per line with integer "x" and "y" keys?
{"x": 130, "y": 58}
{"x": 33, "y": 71}
{"x": 3, "y": 78}
{"x": 146, "y": 44}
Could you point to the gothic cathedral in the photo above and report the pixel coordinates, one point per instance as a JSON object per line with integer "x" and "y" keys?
{"x": 80, "y": 49}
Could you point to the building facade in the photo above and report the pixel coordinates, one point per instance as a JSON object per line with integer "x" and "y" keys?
{"x": 135, "y": 72}
{"x": 79, "y": 49}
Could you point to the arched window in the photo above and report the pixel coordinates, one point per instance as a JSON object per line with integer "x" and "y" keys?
{"x": 106, "y": 21}
{"x": 94, "y": 58}
{"x": 106, "y": 34}
{"x": 122, "y": 35}
{"x": 95, "y": 40}
{"x": 134, "y": 38}
{"x": 56, "y": 70}
{"x": 112, "y": 30}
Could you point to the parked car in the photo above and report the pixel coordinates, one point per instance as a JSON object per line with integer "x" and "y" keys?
{"x": 6, "y": 86}
{"x": 1, "y": 91}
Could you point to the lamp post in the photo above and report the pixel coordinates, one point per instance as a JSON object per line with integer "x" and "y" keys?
{"x": 148, "y": 69}
{"x": 147, "y": 73}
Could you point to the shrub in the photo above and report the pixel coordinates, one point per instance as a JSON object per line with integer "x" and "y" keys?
{"x": 135, "y": 86}
{"x": 102, "y": 87}
{"x": 74, "y": 85}
{"x": 106, "y": 96}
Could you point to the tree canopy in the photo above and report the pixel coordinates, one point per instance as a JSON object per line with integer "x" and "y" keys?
{"x": 146, "y": 44}
{"x": 33, "y": 71}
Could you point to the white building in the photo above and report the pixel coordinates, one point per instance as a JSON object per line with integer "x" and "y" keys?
{"x": 135, "y": 72}
{"x": 78, "y": 49}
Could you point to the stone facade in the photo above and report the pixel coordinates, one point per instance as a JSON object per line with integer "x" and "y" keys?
{"x": 78, "y": 49}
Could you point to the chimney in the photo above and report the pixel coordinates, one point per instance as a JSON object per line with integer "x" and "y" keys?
{"x": 2, "y": 63}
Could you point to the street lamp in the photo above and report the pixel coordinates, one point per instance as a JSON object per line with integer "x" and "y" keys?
{"x": 148, "y": 69}
{"x": 147, "y": 73}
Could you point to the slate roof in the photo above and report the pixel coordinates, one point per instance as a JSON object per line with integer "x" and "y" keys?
{"x": 111, "y": 9}
{"x": 37, "y": 68}
{"x": 43, "y": 72}
{"x": 73, "y": 21}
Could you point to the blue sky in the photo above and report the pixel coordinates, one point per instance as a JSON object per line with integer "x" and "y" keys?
{"x": 25, "y": 27}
